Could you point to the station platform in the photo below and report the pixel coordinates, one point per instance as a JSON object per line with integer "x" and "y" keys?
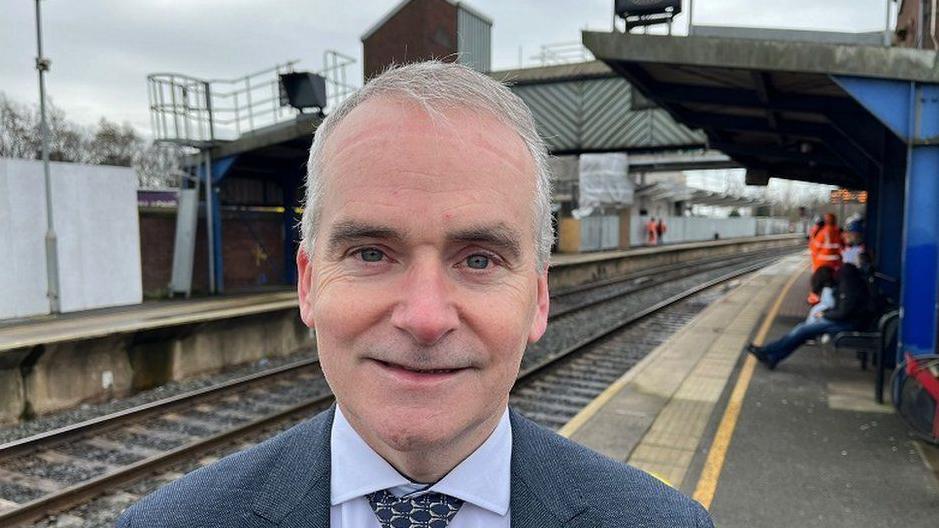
{"x": 802, "y": 445}
{"x": 50, "y": 329}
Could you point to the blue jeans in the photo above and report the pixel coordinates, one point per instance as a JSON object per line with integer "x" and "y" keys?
{"x": 781, "y": 348}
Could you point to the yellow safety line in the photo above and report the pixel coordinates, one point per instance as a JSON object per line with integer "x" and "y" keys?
{"x": 707, "y": 483}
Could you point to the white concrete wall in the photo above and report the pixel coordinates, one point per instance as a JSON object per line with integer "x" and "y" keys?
{"x": 599, "y": 233}
{"x": 22, "y": 249}
{"x": 693, "y": 228}
{"x": 95, "y": 213}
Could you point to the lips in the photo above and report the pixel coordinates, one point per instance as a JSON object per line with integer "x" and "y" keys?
{"x": 417, "y": 374}
{"x": 418, "y": 370}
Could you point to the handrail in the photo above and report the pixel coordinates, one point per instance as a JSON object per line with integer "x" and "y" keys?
{"x": 190, "y": 111}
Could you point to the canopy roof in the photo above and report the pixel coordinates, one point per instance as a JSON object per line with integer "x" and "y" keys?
{"x": 777, "y": 107}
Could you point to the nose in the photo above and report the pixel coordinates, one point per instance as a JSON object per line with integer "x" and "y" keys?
{"x": 426, "y": 309}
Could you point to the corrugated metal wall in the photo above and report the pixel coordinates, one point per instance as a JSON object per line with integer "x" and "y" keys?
{"x": 474, "y": 42}
{"x": 597, "y": 114}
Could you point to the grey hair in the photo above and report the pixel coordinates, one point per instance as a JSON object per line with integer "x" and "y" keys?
{"x": 437, "y": 86}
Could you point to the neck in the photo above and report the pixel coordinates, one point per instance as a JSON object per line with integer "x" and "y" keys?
{"x": 429, "y": 462}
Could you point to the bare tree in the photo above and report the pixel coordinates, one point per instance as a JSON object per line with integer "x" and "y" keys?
{"x": 114, "y": 144}
{"x": 19, "y": 130}
{"x": 108, "y": 143}
{"x": 158, "y": 166}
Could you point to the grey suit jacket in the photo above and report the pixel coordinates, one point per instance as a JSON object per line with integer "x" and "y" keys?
{"x": 285, "y": 482}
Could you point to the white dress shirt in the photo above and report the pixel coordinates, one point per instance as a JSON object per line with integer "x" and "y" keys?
{"x": 481, "y": 480}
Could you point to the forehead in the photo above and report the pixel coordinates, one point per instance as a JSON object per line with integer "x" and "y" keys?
{"x": 389, "y": 151}
{"x": 405, "y": 129}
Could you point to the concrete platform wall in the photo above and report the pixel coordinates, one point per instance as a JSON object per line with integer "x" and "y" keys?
{"x": 44, "y": 379}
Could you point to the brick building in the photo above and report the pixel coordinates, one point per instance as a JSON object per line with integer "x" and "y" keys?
{"x": 417, "y": 30}
{"x": 913, "y": 15}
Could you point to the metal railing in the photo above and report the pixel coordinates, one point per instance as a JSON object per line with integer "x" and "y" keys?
{"x": 562, "y": 53}
{"x": 197, "y": 112}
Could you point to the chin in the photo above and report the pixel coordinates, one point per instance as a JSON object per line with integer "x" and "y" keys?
{"x": 415, "y": 431}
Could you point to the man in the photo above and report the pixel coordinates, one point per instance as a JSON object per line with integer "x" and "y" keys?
{"x": 816, "y": 278}
{"x": 827, "y": 244}
{"x": 825, "y": 247}
{"x": 853, "y": 242}
{"x": 651, "y": 232}
{"x": 851, "y": 312}
{"x": 423, "y": 270}
{"x": 660, "y": 229}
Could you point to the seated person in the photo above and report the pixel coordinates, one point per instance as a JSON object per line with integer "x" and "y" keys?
{"x": 822, "y": 277}
{"x": 851, "y": 312}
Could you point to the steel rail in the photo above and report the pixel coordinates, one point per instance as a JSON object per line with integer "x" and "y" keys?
{"x": 84, "y": 491}
{"x": 110, "y": 421}
{"x": 692, "y": 268}
{"x": 593, "y": 285}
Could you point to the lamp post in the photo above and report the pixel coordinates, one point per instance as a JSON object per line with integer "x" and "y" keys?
{"x": 52, "y": 259}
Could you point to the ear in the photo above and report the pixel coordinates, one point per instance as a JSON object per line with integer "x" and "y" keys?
{"x": 304, "y": 284}
{"x": 540, "y": 322}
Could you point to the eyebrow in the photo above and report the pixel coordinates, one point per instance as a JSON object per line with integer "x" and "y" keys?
{"x": 498, "y": 236}
{"x": 346, "y": 232}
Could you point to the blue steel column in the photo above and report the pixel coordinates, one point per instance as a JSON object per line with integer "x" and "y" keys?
{"x": 920, "y": 288}
{"x": 220, "y": 168}
{"x": 911, "y": 111}
{"x": 217, "y": 260}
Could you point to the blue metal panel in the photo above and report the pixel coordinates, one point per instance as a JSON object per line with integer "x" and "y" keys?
{"x": 886, "y": 100}
{"x": 926, "y": 114}
{"x": 921, "y": 222}
{"x": 220, "y": 168}
{"x": 920, "y": 287}
{"x": 911, "y": 111}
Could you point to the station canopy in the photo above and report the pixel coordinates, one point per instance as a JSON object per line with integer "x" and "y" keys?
{"x": 679, "y": 192}
{"x": 779, "y": 108}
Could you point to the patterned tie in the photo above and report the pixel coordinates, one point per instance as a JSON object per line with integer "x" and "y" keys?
{"x": 430, "y": 510}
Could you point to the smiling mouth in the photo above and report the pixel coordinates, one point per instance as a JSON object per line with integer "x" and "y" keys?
{"x": 396, "y": 366}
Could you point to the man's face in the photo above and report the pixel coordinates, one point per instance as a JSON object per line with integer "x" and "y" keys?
{"x": 423, "y": 288}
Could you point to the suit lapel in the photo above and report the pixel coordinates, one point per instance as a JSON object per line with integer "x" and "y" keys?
{"x": 296, "y": 492}
{"x": 544, "y": 492}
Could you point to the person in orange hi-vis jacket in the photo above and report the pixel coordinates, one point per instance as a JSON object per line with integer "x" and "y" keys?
{"x": 651, "y": 234}
{"x": 826, "y": 248}
{"x": 818, "y": 224}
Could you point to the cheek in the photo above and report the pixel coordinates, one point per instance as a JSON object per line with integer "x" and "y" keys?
{"x": 343, "y": 313}
{"x": 502, "y": 322}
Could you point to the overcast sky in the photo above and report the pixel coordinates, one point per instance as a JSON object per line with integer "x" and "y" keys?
{"x": 102, "y": 50}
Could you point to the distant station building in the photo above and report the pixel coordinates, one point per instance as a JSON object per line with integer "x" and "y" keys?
{"x": 417, "y": 30}
{"x": 917, "y": 25}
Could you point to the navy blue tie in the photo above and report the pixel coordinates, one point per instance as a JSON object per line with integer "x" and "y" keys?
{"x": 430, "y": 510}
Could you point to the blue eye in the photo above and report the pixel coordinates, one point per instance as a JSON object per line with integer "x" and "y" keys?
{"x": 477, "y": 261}
{"x": 371, "y": 255}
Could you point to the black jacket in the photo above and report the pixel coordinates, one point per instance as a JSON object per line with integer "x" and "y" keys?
{"x": 853, "y": 303}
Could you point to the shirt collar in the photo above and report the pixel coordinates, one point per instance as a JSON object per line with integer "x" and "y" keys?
{"x": 482, "y": 478}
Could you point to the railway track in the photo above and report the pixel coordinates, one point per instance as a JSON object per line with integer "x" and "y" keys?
{"x": 60, "y": 469}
